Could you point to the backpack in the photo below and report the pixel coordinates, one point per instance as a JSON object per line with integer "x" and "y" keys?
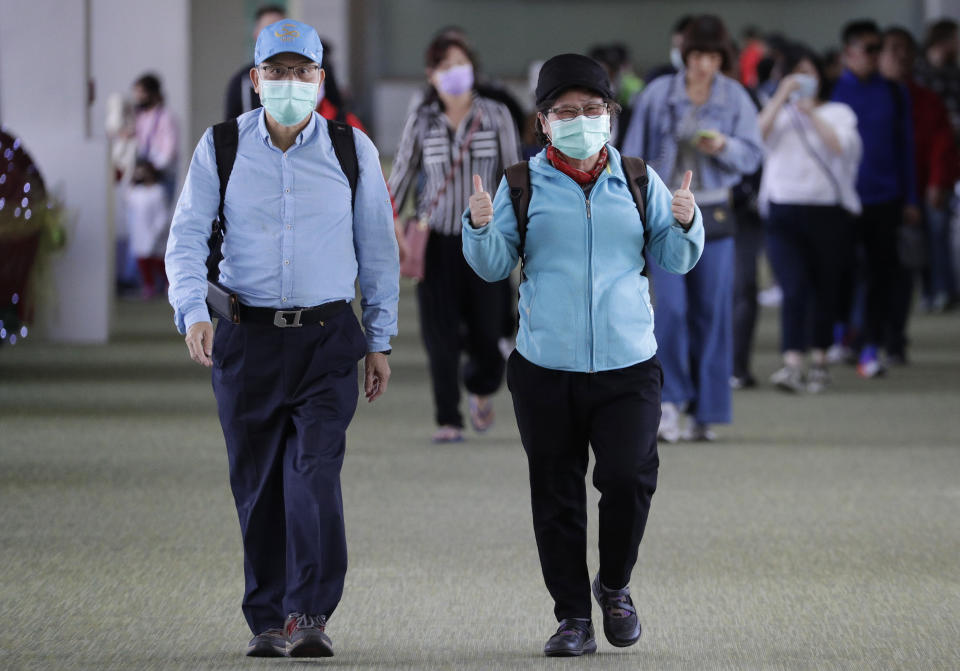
{"x": 225, "y": 140}
{"x": 518, "y": 179}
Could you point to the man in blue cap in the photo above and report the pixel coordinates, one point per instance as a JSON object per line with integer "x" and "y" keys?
{"x": 285, "y": 366}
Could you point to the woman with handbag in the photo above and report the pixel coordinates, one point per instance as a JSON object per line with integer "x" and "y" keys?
{"x": 585, "y": 372}
{"x": 808, "y": 194}
{"x": 448, "y": 138}
{"x": 699, "y": 120}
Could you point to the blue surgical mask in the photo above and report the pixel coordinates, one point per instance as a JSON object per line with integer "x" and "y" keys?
{"x": 581, "y": 137}
{"x": 288, "y": 101}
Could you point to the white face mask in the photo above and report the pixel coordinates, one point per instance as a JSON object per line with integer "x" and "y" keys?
{"x": 808, "y": 87}
{"x": 287, "y": 101}
{"x": 676, "y": 58}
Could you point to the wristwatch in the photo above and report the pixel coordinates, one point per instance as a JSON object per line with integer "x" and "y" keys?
{"x": 385, "y": 352}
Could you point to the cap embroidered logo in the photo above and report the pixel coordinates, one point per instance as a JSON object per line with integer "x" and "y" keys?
{"x": 289, "y": 33}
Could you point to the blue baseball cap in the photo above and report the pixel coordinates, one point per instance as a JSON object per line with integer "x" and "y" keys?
{"x": 288, "y": 36}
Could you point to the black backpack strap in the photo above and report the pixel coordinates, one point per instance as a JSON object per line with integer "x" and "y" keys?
{"x": 341, "y": 135}
{"x": 225, "y": 139}
{"x": 635, "y": 170}
{"x": 518, "y": 179}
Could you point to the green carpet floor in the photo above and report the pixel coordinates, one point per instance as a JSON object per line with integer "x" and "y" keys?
{"x": 820, "y": 532}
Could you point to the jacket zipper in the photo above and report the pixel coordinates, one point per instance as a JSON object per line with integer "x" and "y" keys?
{"x": 590, "y": 282}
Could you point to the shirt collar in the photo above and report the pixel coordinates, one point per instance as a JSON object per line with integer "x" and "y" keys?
{"x": 306, "y": 135}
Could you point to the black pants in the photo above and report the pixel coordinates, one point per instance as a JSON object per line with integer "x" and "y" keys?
{"x": 559, "y": 414}
{"x": 458, "y": 311}
{"x": 285, "y": 398}
{"x": 805, "y": 245}
{"x": 877, "y": 233}
{"x": 748, "y": 243}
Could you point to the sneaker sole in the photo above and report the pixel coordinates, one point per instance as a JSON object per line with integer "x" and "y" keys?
{"x": 612, "y": 640}
{"x": 310, "y": 649}
{"x": 588, "y": 649}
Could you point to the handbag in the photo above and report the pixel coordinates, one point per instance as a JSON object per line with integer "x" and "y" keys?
{"x": 719, "y": 221}
{"x": 416, "y": 231}
{"x": 911, "y": 247}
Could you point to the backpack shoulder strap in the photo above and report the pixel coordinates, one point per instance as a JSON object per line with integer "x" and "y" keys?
{"x": 341, "y": 135}
{"x": 226, "y": 136}
{"x": 518, "y": 179}
{"x": 635, "y": 170}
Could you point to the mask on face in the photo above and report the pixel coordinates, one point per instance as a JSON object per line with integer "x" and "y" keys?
{"x": 287, "y": 101}
{"x": 676, "y": 58}
{"x": 455, "y": 81}
{"x": 808, "y": 87}
{"x": 581, "y": 137}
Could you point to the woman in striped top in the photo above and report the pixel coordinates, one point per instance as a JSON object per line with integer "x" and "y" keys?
{"x": 453, "y": 135}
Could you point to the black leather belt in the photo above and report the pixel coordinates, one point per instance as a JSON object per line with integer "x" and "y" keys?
{"x": 290, "y": 318}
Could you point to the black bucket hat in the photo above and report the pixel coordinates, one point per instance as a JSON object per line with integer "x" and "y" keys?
{"x": 568, "y": 71}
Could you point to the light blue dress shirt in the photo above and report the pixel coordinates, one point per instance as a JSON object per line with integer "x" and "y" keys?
{"x": 291, "y": 238}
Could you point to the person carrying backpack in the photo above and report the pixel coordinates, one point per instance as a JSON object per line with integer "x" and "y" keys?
{"x": 579, "y": 217}
{"x": 305, "y": 218}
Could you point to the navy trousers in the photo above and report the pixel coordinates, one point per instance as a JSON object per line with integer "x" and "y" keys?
{"x": 694, "y": 329}
{"x": 560, "y": 414}
{"x": 285, "y": 397}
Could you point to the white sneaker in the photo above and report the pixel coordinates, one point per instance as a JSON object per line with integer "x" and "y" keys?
{"x": 697, "y": 432}
{"x": 669, "y": 430}
{"x": 838, "y": 353}
{"x": 818, "y": 379}
{"x": 789, "y": 378}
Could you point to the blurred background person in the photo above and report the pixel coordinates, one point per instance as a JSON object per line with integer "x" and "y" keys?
{"x": 808, "y": 193}
{"x": 240, "y": 96}
{"x": 937, "y": 164}
{"x": 156, "y": 130}
{"x": 939, "y": 70}
{"x": 753, "y": 50}
{"x": 453, "y": 134}
{"x": 886, "y": 184}
{"x": 615, "y": 59}
{"x": 699, "y": 120}
{"x": 148, "y": 220}
{"x": 675, "y": 62}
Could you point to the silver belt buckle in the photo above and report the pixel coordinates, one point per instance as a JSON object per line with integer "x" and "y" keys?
{"x": 280, "y": 318}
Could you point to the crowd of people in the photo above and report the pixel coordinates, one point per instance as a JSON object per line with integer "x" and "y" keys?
{"x": 638, "y": 196}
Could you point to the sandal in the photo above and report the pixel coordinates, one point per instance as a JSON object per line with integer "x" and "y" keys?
{"x": 448, "y": 434}
{"x": 481, "y": 413}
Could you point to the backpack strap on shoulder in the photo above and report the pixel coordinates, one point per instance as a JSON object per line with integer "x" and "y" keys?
{"x": 635, "y": 170}
{"x": 518, "y": 179}
{"x": 341, "y": 135}
{"x": 226, "y": 136}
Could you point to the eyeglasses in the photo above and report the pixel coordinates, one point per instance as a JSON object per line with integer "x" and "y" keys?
{"x": 567, "y": 112}
{"x": 306, "y": 72}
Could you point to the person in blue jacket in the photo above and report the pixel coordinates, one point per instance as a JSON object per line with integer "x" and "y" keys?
{"x": 585, "y": 370}
{"x": 699, "y": 120}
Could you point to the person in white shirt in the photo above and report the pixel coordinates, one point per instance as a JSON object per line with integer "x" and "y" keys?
{"x": 807, "y": 195}
{"x": 148, "y": 221}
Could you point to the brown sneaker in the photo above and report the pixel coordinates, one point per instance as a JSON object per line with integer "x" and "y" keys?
{"x": 270, "y": 643}
{"x": 306, "y": 637}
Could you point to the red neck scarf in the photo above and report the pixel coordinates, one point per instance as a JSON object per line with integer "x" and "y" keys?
{"x": 579, "y": 176}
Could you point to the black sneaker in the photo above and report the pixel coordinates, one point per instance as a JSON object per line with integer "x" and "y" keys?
{"x": 270, "y": 643}
{"x": 573, "y": 638}
{"x": 306, "y": 636}
{"x": 621, "y": 625}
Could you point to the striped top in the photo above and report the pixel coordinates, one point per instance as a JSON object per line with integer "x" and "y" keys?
{"x": 431, "y": 147}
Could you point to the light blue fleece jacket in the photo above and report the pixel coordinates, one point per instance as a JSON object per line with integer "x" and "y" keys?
{"x": 585, "y": 306}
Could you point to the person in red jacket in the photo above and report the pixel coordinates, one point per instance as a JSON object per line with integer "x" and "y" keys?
{"x": 937, "y": 164}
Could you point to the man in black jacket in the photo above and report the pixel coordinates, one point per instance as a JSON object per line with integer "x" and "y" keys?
{"x": 240, "y": 96}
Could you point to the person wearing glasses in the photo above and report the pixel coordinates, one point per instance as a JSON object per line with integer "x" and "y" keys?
{"x": 699, "y": 120}
{"x": 584, "y": 372}
{"x": 285, "y": 372}
{"x": 886, "y": 184}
